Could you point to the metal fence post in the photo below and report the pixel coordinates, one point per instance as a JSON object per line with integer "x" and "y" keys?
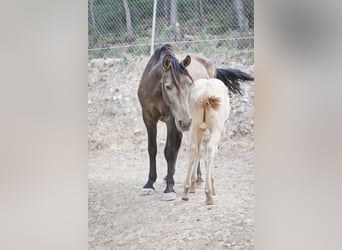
{"x": 153, "y": 25}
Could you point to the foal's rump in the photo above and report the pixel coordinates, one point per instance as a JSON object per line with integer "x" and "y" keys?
{"x": 209, "y": 102}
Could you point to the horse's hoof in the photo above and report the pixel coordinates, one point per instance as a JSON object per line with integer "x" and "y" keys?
{"x": 147, "y": 191}
{"x": 169, "y": 196}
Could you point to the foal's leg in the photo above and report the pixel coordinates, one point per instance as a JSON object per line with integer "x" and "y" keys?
{"x": 194, "y": 156}
{"x": 199, "y": 180}
{"x": 214, "y": 140}
{"x": 173, "y": 142}
{"x": 191, "y": 164}
{"x": 197, "y": 160}
{"x": 151, "y": 126}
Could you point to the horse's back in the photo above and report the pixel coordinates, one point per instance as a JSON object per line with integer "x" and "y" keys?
{"x": 200, "y": 67}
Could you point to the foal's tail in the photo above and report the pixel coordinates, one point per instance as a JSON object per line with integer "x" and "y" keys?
{"x": 206, "y": 103}
{"x": 232, "y": 77}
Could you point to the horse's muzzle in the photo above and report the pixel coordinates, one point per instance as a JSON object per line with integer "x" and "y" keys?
{"x": 184, "y": 125}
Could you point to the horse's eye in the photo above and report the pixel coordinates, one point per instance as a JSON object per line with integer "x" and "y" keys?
{"x": 168, "y": 87}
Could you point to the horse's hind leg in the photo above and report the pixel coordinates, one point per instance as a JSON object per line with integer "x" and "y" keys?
{"x": 151, "y": 126}
{"x": 173, "y": 142}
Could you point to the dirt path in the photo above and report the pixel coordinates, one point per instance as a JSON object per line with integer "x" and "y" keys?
{"x": 119, "y": 218}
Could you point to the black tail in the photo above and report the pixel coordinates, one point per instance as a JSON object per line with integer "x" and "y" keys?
{"x": 232, "y": 77}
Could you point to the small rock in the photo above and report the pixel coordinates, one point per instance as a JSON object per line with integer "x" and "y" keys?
{"x": 137, "y": 132}
{"x": 249, "y": 222}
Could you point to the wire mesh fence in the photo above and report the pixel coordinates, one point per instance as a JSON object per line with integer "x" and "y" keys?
{"x": 117, "y": 28}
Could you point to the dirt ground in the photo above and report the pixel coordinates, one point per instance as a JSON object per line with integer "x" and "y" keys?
{"x": 119, "y": 218}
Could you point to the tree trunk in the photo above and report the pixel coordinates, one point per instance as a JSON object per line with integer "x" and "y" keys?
{"x": 94, "y": 32}
{"x": 201, "y": 15}
{"x": 166, "y": 8}
{"x": 250, "y": 14}
{"x": 163, "y": 10}
{"x": 174, "y": 22}
{"x": 241, "y": 43}
{"x": 240, "y": 16}
{"x": 130, "y": 36}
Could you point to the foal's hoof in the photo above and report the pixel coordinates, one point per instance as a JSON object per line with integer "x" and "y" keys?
{"x": 193, "y": 187}
{"x": 147, "y": 191}
{"x": 169, "y": 196}
{"x": 186, "y": 194}
{"x": 209, "y": 202}
{"x": 209, "y": 199}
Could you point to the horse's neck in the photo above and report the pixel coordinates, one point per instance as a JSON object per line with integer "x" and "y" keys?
{"x": 155, "y": 78}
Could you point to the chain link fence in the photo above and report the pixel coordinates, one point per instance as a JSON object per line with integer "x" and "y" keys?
{"x": 118, "y": 28}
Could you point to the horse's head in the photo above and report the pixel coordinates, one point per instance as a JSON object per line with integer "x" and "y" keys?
{"x": 176, "y": 85}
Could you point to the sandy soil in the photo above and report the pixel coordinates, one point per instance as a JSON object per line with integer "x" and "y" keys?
{"x": 119, "y": 218}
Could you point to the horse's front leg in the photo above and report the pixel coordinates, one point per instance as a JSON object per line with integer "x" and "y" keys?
{"x": 173, "y": 142}
{"x": 151, "y": 126}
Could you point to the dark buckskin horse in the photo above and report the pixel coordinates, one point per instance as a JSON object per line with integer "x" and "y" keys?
{"x": 163, "y": 93}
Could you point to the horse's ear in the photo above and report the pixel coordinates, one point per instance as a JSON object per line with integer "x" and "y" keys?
{"x": 186, "y": 61}
{"x": 166, "y": 62}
